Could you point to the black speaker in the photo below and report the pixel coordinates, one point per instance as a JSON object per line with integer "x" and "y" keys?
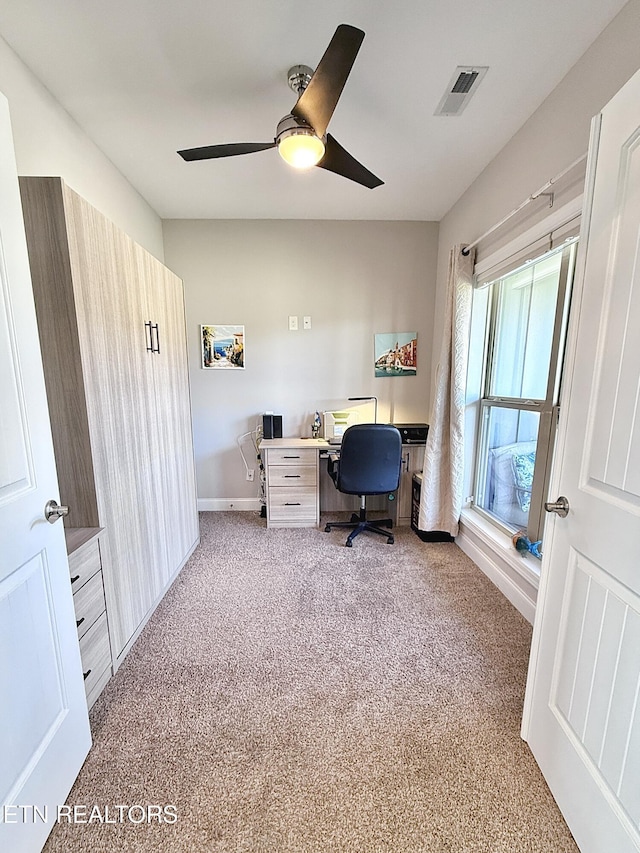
{"x": 272, "y": 426}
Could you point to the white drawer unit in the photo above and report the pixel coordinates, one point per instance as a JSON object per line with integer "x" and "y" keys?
{"x": 95, "y": 653}
{"x": 89, "y": 604}
{"x": 291, "y": 472}
{"x": 85, "y": 567}
{"x": 292, "y": 455}
{"x": 292, "y": 476}
{"x": 292, "y": 505}
{"x": 84, "y": 563}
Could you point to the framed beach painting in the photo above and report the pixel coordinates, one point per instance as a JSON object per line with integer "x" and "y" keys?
{"x": 396, "y": 354}
{"x": 222, "y": 347}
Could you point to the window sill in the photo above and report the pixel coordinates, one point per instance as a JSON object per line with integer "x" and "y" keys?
{"x": 526, "y": 565}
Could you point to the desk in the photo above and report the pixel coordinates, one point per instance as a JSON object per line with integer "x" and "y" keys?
{"x": 297, "y": 487}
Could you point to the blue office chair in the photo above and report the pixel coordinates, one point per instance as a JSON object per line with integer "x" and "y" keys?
{"x": 369, "y": 464}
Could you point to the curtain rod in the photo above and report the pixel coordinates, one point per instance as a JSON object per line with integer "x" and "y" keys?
{"x": 527, "y": 201}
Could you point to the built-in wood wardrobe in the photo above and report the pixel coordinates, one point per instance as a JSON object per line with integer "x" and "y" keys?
{"x": 112, "y": 333}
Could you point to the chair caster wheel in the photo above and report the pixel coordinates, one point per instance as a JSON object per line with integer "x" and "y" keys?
{"x": 355, "y": 518}
{"x": 327, "y": 529}
{"x": 390, "y": 540}
{"x": 389, "y": 524}
{"x": 348, "y": 544}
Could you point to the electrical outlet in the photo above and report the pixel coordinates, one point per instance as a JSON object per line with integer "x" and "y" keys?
{"x": 250, "y": 474}
{"x": 293, "y": 324}
{"x": 306, "y": 322}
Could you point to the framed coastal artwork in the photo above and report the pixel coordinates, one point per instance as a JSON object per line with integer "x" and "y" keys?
{"x": 222, "y": 347}
{"x": 396, "y": 354}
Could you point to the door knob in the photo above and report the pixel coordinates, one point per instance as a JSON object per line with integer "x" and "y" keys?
{"x": 560, "y": 507}
{"x": 53, "y": 511}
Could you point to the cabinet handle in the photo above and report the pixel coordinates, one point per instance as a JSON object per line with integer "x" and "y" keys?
{"x": 79, "y": 622}
{"x": 292, "y": 476}
{"x": 86, "y": 674}
{"x": 293, "y": 503}
{"x": 291, "y": 457}
{"x": 73, "y": 580}
{"x": 153, "y": 347}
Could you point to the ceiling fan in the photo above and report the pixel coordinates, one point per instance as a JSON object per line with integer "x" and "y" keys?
{"x": 301, "y": 136}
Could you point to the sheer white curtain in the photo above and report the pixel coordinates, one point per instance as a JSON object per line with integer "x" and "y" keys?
{"x": 443, "y": 470}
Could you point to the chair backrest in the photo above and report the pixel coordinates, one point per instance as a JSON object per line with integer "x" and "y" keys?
{"x": 370, "y": 459}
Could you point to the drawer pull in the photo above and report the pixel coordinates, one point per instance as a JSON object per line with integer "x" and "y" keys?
{"x": 86, "y": 674}
{"x": 292, "y": 476}
{"x": 293, "y": 503}
{"x": 79, "y": 622}
{"x": 291, "y": 457}
{"x": 73, "y": 580}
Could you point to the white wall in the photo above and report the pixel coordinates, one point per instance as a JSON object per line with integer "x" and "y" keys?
{"x": 353, "y": 278}
{"x": 553, "y": 138}
{"x": 49, "y": 142}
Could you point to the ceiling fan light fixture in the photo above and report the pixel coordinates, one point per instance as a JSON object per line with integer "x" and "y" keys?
{"x": 301, "y": 136}
{"x": 298, "y": 143}
{"x": 301, "y": 150}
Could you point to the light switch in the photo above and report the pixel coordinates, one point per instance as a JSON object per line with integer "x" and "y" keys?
{"x": 293, "y": 324}
{"x": 306, "y": 322}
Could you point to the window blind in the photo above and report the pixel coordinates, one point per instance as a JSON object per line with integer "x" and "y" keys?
{"x": 556, "y": 230}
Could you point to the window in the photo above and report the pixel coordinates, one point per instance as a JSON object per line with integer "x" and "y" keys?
{"x": 518, "y": 408}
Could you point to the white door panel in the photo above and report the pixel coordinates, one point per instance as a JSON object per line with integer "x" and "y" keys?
{"x": 582, "y": 711}
{"x": 44, "y": 730}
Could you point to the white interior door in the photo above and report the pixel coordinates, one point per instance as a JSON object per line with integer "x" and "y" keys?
{"x": 582, "y": 711}
{"x": 44, "y": 727}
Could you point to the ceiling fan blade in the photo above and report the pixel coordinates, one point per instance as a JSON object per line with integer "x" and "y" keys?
{"x": 318, "y": 101}
{"x": 210, "y": 152}
{"x": 337, "y": 160}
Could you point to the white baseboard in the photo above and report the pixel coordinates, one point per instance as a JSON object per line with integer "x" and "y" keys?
{"x": 521, "y": 595}
{"x": 226, "y": 504}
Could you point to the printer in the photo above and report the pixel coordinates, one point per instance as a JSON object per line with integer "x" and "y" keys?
{"x": 413, "y": 433}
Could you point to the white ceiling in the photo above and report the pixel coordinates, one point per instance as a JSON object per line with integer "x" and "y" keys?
{"x": 145, "y": 78}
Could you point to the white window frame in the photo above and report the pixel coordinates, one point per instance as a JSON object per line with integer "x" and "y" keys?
{"x": 547, "y": 408}
{"x": 537, "y": 239}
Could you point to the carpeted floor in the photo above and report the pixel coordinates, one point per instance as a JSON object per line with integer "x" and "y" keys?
{"x": 290, "y": 694}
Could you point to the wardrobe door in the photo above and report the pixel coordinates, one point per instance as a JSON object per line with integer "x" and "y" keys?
{"x": 178, "y": 437}
{"x": 173, "y": 445}
{"x": 154, "y": 481}
{"x": 112, "y": 341}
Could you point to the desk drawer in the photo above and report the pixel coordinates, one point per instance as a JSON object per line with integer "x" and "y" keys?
{"x": 292, "y": 504}
{"x": 284, "y": 456}
{"x": 83, "y": 564}
{"x": 88, "y": 602}
{"x": 292, "y": 476}
{"x": 95, "y": 654}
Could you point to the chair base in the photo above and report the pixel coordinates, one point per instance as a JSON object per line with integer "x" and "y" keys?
{"x": 360, "y": 523}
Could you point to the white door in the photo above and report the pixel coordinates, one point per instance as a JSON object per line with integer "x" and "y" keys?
{"x": 582, "y": 710}
{"x": 44, "y": 727}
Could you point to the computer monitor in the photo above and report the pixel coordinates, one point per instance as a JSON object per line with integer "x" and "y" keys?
{"x": 335, "y": 423}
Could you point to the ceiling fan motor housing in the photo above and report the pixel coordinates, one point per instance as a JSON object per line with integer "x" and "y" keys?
{"x": 290, "y": 125}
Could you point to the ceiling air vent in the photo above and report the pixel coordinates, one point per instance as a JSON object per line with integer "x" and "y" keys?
{"x": 463, "y": 84}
